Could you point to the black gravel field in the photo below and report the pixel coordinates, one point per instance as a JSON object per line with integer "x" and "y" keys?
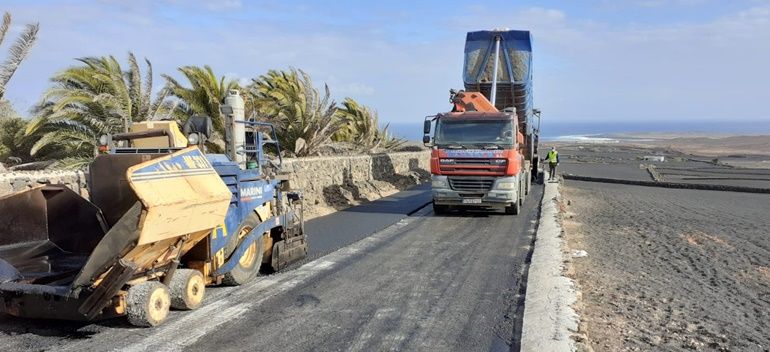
{"x": 627, "y": 162}
{"x": 670, "y": 269}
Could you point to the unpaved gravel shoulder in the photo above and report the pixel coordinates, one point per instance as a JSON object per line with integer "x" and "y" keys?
{"x": 669, "y": 269}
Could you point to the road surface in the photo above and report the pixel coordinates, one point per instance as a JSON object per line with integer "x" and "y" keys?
{"x": 423, "y": 283}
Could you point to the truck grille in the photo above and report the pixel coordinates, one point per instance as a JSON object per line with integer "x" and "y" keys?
{"x": 471, "y": 184}
{"x": 472, "y": 161}
{"x": 463, "y": 166}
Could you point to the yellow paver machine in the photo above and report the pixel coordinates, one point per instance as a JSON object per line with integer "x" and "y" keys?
{"x": 163, "y": 221}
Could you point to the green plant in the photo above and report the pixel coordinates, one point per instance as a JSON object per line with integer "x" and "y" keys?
{"x": 13, "y": 148}
{"x": 305, "y": 118}
{"x": 205, "y": 93}
{"x": 360, "y": 126}
{"x": 92, "y": 99}
{"x": 18, "y": 51}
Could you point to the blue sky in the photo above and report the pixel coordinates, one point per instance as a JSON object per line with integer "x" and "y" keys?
{"x": 595, "y": 60}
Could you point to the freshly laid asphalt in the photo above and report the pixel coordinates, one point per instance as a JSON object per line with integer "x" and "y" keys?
{"x": 330, "y": 232}
{"x": 383, "y": 280}
{"x": 442, "y": 283}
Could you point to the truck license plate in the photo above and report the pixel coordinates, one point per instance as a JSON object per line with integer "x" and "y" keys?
{"x": 472, "y": 201}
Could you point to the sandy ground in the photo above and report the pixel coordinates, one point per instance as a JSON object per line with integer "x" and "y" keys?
{"x": 672, "y": 270}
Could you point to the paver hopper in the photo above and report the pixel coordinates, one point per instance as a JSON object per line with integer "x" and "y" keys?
{"x": 63, "y": 257}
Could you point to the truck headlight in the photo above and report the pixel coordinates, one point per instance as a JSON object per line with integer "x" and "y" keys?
{"x": 506, "y": 185}
{"x": 439, "y": 184}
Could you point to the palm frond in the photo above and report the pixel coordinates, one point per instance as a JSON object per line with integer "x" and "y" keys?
{"x": 147, "y": 109}
{"x": 5, "y": 26}
{"x": 94, "y": 98}
{"x": 304, "y": 117}
{"x": 18, "y": 52}
{"x": 72, "y": 163}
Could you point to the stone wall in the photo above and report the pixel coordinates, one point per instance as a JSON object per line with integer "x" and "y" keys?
{"x": 334, "y": 183}
{"x": 20, "y": 180}
{"x": 328, "y": 183}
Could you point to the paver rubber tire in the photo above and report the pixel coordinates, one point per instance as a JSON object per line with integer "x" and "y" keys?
{"x": 147, "y": 304}
{"x": 187, "y": 289}
{"x": 251, "y": 260}
{"x": 440, "y": 209}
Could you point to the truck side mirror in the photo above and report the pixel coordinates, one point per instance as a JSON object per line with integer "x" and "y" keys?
{"x": 426, "y": 127}
{"x": 425, "y": 139}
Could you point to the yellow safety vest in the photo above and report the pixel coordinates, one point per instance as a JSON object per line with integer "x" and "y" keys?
{"x": 553, "y": 157}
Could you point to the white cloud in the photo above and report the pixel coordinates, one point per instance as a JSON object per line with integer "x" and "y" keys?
{"x": 591, "y": 71}
{"x": 585, "y": 68}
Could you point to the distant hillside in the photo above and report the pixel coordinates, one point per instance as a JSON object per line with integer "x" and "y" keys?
{"x": 719, "y": 146}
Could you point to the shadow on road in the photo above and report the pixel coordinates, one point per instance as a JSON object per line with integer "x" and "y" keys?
{"x": 11, "y": 325}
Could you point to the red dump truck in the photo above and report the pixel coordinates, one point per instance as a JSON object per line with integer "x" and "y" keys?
{"x": 484, "y": 152}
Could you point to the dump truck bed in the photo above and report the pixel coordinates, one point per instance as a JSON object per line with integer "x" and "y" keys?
{"x": 514, "y": 78}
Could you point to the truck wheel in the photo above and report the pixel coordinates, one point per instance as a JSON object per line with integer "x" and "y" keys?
{"x": 440, "y": 209}
{"x": 513, "y": 209}
{"x": 187, "y": 289}
{"x": 249, "y": 263}
{"x": 147, "y": 304}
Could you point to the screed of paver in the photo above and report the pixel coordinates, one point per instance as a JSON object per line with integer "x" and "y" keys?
{"x": 673, "y": 270}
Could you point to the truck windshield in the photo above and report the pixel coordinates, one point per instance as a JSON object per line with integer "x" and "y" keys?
{"x": 477, "y": 133}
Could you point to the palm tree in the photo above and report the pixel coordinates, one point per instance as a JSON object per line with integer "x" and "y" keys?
{"x": 12, "y": 144}
{"x": 205, "y": 94}
{"x": 361, "y": 127}
{"x": 305, "y": 118}
{"x": 95, "y": 98}
{"x": 18, "y": 51}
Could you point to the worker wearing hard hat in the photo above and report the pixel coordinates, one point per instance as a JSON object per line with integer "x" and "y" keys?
{"x": 553, "y": 161}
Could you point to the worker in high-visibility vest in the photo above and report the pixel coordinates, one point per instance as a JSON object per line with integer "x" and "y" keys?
{"x": 553, "y": 161}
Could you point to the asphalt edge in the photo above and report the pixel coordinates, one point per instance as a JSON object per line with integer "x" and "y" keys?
{"x": 549, "y": 320}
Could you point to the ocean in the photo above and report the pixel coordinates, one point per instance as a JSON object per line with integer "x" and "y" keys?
{"x": 556, "y": 130}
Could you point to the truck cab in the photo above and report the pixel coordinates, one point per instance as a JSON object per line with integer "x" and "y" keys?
{"x": 476, "y": 162}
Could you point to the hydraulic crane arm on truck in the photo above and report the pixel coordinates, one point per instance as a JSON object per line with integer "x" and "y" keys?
{"x": 484, "y": 152}
{"x": 164, "y": 219}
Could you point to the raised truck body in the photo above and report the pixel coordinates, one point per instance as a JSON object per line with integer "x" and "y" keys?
{"x": 484, "y": 152}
